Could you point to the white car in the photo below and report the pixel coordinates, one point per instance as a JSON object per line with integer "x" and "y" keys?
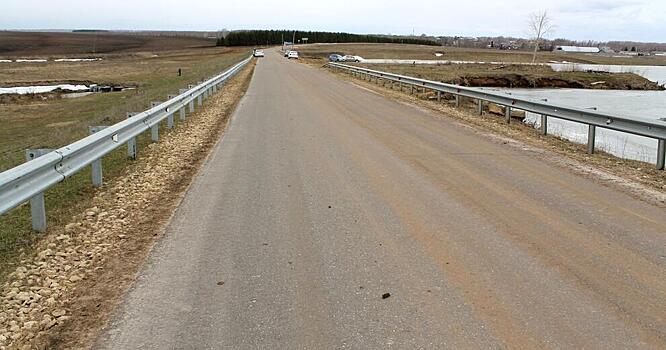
{"x": 258, "y": 53}
{"x": 351, "y": 58}
{"x": 292, "y": 54}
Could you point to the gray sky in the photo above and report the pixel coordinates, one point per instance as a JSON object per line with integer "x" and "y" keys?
{"x": 639, "y": 20}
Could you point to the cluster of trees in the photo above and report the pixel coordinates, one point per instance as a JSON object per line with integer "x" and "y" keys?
{"x": 275, "y": 37}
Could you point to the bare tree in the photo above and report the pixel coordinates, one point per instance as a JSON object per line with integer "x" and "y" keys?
{"x": 540, "y": 25}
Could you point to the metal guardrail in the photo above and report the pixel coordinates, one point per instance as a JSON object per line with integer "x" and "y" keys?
{"x": 655, "y": 129}
{"x": 29, "y": 180}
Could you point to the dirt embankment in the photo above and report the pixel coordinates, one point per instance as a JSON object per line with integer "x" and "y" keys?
{"x": 605, "y": 81}
{"x": 519, "y": 76}
{"x": 61, "y": 296}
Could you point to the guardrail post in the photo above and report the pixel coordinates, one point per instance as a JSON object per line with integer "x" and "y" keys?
{"x": 507, "y": 114}
{"x": 544, "y": 124}
{"x": 661, "y": 154}
{"x": 131, "y": 144}
{"x": 480, "y": 106}
{"x": 200, "y": 100}
{"x": 170, "y": 117}
{"x": 37, "y": 206}
{"x": 591, "y": 134}
{"x": 97, "y": 178}
{"x": 411, "y": 89}
{"x": 439, "y": 96}
{"x": 457, "y": 101}
{"x": 155, "y": 129}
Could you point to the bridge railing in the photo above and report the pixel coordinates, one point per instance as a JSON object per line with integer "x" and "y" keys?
{"x": 655, "y": 129}
{"x": 46, "y": 168}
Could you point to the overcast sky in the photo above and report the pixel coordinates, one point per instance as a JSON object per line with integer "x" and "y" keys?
{"x": 639, "y": 20}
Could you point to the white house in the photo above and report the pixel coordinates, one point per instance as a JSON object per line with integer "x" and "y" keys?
{"x": 584, "y": 49}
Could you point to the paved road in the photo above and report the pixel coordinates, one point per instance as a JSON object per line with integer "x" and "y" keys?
{"x": 323, "y": 196}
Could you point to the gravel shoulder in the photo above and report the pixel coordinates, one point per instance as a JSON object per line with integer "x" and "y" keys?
{"x": 62, "y": 296}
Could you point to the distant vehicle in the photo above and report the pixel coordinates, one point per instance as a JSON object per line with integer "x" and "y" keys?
{"x": 258, "y": 53}
{"x": 292, "y": 54}
{"x": 335, "y": 58}
{"x": 350, "y": 58}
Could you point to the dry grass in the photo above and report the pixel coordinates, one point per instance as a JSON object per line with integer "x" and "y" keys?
{"x": 398, "y": 51}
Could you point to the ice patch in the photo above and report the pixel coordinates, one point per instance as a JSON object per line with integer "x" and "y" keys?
{"x": 22, "y": 90}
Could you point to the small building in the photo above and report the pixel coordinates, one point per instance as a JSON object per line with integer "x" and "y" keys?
{"x": 584, "y": 49}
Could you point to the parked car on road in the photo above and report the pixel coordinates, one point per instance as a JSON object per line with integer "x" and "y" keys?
{"x": 335, "y": 58}
{"x": 258, "y": 53}
{"x": 292, "y": 54}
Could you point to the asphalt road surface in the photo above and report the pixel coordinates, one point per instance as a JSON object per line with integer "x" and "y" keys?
{"x": 323, "y": 198}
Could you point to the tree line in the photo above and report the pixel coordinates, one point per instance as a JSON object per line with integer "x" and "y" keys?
{"x": 275, "y": 37}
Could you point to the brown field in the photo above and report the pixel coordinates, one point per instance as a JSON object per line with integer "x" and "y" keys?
{"x": 422, "y": 52}
{"x": 57, "y": 44}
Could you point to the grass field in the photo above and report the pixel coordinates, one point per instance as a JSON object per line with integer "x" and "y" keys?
{"x": 52, "y": 123}
{"x": 518, "y": 76}
{"x": 398, "y": 51}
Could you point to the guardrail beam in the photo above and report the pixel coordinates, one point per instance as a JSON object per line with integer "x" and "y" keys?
{"x": 27, "y": 182}
{"x": 37, "y": 205}
{"x": 638, "y": 126}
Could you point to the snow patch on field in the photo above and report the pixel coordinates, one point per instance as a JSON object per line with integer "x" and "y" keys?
{"x": 22, "y": 90}
{"x": 40, "y": 60}
{"x": 77, "y": 59}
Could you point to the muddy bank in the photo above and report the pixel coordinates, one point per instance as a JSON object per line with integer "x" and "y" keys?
{"x": 519, "y": 76}
{"x": 607, "y": 81}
